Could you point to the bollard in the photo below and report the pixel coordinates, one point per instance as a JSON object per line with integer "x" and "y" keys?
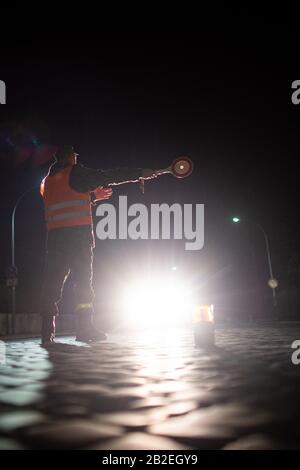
{"x": 204, "y": 326}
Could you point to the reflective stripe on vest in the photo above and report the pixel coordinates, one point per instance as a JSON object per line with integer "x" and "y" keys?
{"x": 62, "y": 205}
{"x": 67, "y": 215}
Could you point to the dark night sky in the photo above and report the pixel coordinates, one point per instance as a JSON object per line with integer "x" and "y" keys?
{"x": 140, "y": 96}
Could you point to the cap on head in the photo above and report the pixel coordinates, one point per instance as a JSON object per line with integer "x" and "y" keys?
{"x": 64, "y": 152}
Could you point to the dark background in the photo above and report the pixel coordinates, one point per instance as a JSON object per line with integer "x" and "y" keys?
{"x": 140, "y": 95}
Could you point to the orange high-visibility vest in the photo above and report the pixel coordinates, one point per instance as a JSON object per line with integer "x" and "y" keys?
{"x": 64, "y": 207}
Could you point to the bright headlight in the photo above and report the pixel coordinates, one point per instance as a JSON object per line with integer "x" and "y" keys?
{"x": 157, "y": 301}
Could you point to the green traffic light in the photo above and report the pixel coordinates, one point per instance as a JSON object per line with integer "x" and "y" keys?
{"x": 235, "y": 220}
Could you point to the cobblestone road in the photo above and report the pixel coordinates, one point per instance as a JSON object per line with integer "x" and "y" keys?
{"x": 153, "y": 391}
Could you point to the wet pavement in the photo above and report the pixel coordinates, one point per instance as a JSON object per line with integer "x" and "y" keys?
{"x": 153, "y": 391}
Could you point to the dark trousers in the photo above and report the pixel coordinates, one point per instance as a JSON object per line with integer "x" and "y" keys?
{"x": 69, "y": 250}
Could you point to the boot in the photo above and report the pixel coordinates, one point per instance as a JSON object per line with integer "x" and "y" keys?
{"x": 86, "y": 331}
{"x": 48, "y": 330}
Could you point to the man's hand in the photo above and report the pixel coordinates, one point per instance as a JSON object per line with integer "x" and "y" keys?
{"x": 102, "y": 193}
{"x": 148, "y": 174}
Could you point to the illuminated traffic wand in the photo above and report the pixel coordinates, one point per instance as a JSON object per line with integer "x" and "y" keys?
{"x": 181, "y": 167}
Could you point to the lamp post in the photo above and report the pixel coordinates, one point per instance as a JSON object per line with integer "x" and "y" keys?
{"x": 13, "y": 271}
{"x": 273, "y": 283}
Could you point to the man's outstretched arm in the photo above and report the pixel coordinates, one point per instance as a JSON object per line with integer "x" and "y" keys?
{"x": 85, "y": 179}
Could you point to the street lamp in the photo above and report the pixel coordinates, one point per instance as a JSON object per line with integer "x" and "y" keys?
{"x": 272, "y": 283}
{"x": 12, "y": 280}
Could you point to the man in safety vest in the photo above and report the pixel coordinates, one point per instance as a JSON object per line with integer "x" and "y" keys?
{"x": 66, "y": 192}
